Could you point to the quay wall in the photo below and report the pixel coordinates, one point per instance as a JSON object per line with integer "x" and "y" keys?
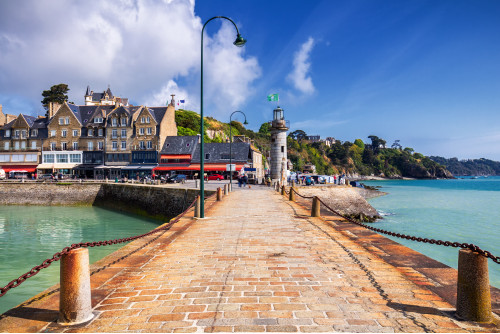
{"x": 157, "y": 202}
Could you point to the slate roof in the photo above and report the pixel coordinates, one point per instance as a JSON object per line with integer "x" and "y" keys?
{"x": 30, "y": 120}
{"x": 76, "y": 111}
{"x": 180, "y": 145}
{"x": 239, "y": 151}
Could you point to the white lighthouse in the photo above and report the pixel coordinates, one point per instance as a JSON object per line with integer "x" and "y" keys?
{"x": 278, "y": 147}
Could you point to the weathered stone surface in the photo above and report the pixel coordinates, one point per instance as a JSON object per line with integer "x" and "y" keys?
{"x": 345, "y": 200}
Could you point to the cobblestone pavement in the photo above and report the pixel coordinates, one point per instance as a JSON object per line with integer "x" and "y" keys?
{"x": 258, "y": 263}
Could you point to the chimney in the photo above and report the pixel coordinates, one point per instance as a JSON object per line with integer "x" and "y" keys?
{"x": 172, "y": 102}
{"x": 53, "y": 108}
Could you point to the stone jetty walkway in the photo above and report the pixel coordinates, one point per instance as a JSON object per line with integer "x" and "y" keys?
{"x": 259, "y": 263}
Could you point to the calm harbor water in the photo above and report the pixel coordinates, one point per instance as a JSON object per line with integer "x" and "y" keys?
{"x": 31, "y": 234}
{"x": 464, "y": 210}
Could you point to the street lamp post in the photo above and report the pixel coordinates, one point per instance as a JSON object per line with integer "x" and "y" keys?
{"x": 230, "y": 144}
{"x": 240, "y": 41}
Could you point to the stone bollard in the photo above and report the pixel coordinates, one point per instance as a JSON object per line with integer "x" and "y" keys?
{"x": 226, "y": 186}
{"x": 283, "y": 191}
{"x": 197, "y": 207}
{"x": 106, "y": 180}
{"x": 315, "y": 207}
{"x": 219, "y": 194}
{"x": 293, "y": 183}
{"x": 74, "y": 300}
{"x": 291, "y": 196}
{"x": 473, "y": 287}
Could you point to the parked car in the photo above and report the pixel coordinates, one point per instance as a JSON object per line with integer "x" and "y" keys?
{"x": 217, "y": 177}
{"x": 176, "y": 178}
{"x": 46, "y": 177}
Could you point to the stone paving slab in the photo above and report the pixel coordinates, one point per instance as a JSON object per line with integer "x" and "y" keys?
{"x": 259, "y": 263}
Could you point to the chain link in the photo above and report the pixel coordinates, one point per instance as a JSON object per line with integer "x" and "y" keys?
{"x": 464, "y": 245}
{"x": 57, "y": 256}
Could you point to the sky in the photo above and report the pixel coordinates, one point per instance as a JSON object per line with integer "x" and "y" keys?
{"x": 426, "y": 73}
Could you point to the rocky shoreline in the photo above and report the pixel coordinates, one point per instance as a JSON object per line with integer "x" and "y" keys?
{"x": 348, "y": 201}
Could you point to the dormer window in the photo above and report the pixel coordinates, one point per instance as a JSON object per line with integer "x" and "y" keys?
{"x": 124, "y": 122}
{"x": 114, "y": 122}
{"x": 7, "y": 133}
{"x": 90, "y": 133}
{"x": 98, "y": 120}
{"x": 34, "y": 133}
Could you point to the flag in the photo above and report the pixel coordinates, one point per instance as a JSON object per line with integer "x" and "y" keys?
{"x": 273, "y": 97}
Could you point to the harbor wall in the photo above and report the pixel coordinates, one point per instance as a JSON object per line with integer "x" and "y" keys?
{"x": 157, "y": 202}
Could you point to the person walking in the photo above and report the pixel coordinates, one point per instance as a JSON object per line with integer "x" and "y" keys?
{"x": 245, "y": 180}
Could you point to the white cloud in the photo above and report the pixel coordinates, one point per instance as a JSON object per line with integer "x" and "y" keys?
{"x": 227, "y": 74}
{"x": 162, "y": 97}
{"x": 300, "y": 76}
{"x": 140, "y": 48}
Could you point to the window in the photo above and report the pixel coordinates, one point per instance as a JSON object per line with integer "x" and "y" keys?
{"x": 17, "y": 157}
{"x": 100, "y": 145}
{"x": 150, "y": 131}
{"x": 90, "y": 146}
{"x": 67, "y": 120}
{"x": 64, "y": 133}
{"x": 124, "y": 121}
{"x": 75, "y": 145}
{"x": 114, "y": 145}
{"x": 64, "y": 146}
{"x": 48, "y": 158}
{"x": 141, "y": 145}
{"x": 7, "y": 133}
{"x": 282, "y": 149}
{"x": 143, "y": 119}
{"x": 6, "y": 145}
{"x": 141, "y": 131}
{"x": 52, "y": 133}
{"x": 207, "y": 156}
{"x": 75, "y": 133}
{"x": 34, "y": 133}
{"x": 148, "y": 119}
{"x": 61, "y": 120}
{"x": 16, "y": 145}
{"x": 61, "y": 158}
{"x": 90, "y": 133}
{"x": 113, "y": 122}
{"x": 75, "y": 158}
{"x": 114, "y": 134}
{"x": 124, "y": 145}
{"x": 98, "y": 120}
{"x": 23, "y": 133}
{"x": 31, "y": 157}
{"x": 4, "y": 157}
{"x": 124, "y": 133}
{"x": 101, "y": 132}
{"x": 16, "y": 133}
{"x": 33, "y": 145}
{"x": 23, "y": 145}
{"x": 52, "y": 146}
{"x": 150, "y": 144}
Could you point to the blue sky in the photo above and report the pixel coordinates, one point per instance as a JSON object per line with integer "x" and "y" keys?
{"x": 424, "y": 72}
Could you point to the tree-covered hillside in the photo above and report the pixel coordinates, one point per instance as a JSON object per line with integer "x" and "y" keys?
{"x": 341, "y": 157}
{"x": 470, "y": 166}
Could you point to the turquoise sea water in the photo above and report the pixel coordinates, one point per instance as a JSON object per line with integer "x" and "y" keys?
{"x": 31, "y": 234}
{"x": 462, "y": 210}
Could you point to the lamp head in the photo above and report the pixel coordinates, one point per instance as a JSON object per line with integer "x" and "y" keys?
{"x": 245, "y": 122}
{"x": 240, "y": 41}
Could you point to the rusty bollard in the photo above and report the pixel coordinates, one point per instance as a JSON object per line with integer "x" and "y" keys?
{"x": 291, "y": 196}
{"x": 473, "y": 287}
{"x": 219, "y": 194}
{"x": 283, "y": 191}
{"x": 74, "y": 300}
{"x": 315, "y": 207}
{"x": 197, "y": 207}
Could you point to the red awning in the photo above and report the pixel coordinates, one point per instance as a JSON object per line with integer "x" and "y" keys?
{"x": 175, "y": 156}
{"x": 29, "y": 168}
{"x": 196, "y": 167}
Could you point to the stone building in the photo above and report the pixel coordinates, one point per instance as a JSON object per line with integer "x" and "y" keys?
{"x": 104, "y": 98}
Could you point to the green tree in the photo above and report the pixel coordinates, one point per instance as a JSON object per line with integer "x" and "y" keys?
{"x": 265, "y": 129}
{"x": 56, "y": 93}
{"x": 359, "y": 143}
{"x": 298, "y": 135}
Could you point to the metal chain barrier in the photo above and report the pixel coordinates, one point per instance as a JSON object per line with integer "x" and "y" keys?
{"x": 57, "y": 256}
{"x": 464, "y": 245}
